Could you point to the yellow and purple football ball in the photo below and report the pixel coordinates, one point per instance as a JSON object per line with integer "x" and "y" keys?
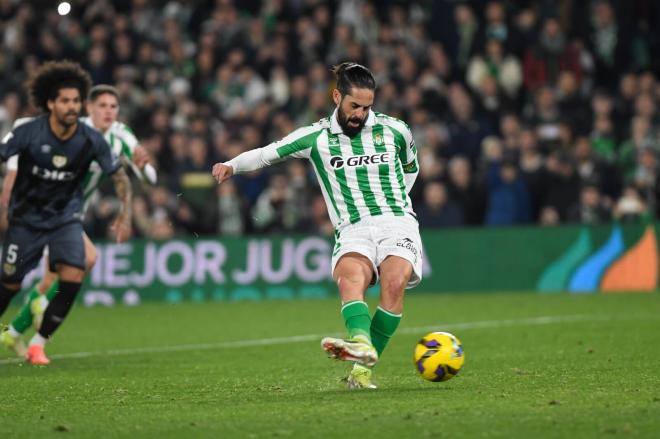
{"x": 439, "y": 356}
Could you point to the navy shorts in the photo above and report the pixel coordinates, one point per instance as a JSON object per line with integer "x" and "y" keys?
{"x": 23, "y": 247}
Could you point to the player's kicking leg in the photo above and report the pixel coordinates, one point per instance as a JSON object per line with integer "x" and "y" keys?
{"x": 395, "y": 273}
{"x": 353, "y": 274}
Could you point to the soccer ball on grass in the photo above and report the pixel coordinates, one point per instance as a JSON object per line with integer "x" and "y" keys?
{"x": 438, "y": 356}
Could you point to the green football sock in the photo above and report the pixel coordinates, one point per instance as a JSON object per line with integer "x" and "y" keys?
{"x": 23, "y": 319}
{"x": 383, "y": 326}
{"x": 356, "y": 318}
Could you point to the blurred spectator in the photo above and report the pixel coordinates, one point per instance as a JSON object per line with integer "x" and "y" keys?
{"x": 466, "y": 29}
{"x": 275, "y": 210}
{"x": 546, "y": 118}
{"x": 550, "y": 55}
{"x": 592, "y": 208}
{"x": 318, "y": 221}
{"x": 438, "y": 209}
{"x": 630, "y": 207}
{"x": 467, "y": 192}
{"x": 532, "y": 168}
{"x": 496, "y": 26}
{"x": 232, "y": 211}
{"x": 508, "y": 198}
{"x": 497, "y": 64}
{"x": 591, "y": 168}
{"x": 609, "y": 42}
{"x": 549, "y": 216}
{"x": 640, "y": 137}
{"x": 562, "y": 184}
{"x": 466, "y": 129}
{"x": 570, "y": 101}
{"x": 510, "y": 130}
{"x": 647, "y": 177}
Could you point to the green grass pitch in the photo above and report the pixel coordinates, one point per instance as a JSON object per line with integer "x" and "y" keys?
{"x": 555, "y": 366}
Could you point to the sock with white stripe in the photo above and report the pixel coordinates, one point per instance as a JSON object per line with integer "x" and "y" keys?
{"x": 383, "y": 327}
{"x": 357, "y": 319}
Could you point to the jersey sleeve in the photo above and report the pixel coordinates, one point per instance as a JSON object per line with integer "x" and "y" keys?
{"x": 103, "y": 155}
{"x": 12, "y": 163}
{"x": 407, "y": 152}
{"x": 298, "y": 144}
{"x": 12, "y": 144}
{"x": 12, "y": 160}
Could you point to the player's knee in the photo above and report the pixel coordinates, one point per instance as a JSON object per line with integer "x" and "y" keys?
{"x": 70, "y": 274}
{"x": 352, "y": 282}
{"x": 76, "y": 277}
{"x": 393, "y": 286}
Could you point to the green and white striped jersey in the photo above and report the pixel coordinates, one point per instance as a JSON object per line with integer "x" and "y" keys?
{"x": 366, "y": 175}
{"x": 122, "y": 141}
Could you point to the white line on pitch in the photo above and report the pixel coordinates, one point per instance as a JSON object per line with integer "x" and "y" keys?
{"x": 529, "y": 321}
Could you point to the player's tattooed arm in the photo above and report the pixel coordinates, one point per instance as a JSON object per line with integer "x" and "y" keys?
{"x": 122, "y": 224}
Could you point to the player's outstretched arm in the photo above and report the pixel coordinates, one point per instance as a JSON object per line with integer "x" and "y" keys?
{"x": 296, "y": 144}
{"x": 122, "y": 224}
{"x": 247, "y": 161}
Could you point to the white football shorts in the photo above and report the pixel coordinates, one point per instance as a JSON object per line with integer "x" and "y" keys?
{"x": 378, "y": 237}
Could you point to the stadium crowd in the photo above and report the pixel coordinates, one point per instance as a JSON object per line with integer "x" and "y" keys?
{"x": 523, "y": 112}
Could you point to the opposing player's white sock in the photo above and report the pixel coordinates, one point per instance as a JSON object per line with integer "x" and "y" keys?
{"x": 38, "y": 340}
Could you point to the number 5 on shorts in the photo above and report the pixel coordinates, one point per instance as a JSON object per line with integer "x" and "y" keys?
{"x": 12, "y": 255}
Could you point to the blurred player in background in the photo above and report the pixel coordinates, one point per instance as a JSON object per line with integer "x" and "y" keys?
{"x": 103, "y": 109}
{"x": 54, "y": 153}
{"x": 366, "y": 163}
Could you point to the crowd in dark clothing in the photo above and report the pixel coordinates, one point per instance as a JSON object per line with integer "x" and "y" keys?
{"x": 523, "y": 112}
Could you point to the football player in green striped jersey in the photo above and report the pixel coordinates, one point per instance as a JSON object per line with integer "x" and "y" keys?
{"x": 103, "y": 109}
{"x": 366, "y": 164}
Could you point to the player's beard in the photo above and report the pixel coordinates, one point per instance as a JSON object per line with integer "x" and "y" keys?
{"x": 343, "y": 120}
{"x": 67, "y": 119}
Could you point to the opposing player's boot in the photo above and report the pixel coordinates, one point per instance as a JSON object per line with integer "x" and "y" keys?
{"x": 357, "y": 349}
{"x": 37, "y": 308}
{"x": 36, "y": 355}
{"x": 360, "y": 378}
{"x": 13, "y": 342}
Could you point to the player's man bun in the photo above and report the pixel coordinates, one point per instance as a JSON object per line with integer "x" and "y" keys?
{"x": 351, "y": 74}
{"x": 52, "y": 76}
